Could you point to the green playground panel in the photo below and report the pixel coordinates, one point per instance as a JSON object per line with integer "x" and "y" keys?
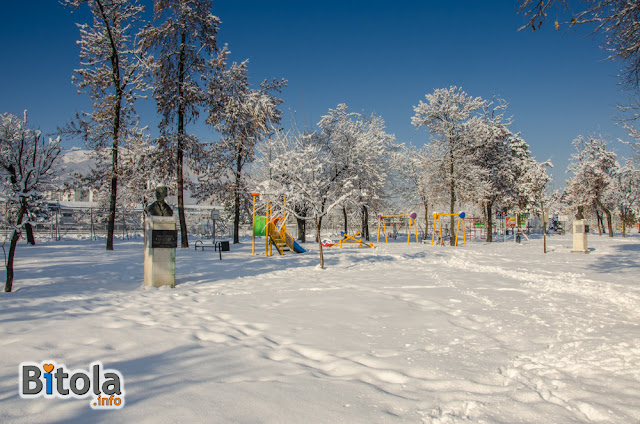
{"x": 259, "y": 228}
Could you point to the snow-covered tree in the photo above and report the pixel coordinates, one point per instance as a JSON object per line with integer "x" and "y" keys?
{"x": 531, "y": 177}
{"x": 136, "y": 170}
{"x": 593, "y": 168}
{"x": 445, "y": 114}
{"x": 180, "y": 45}
{"x": 630, "y": 120}
{"x": 243, "y": 116}
{"x": 414, "y": 178}
{"x": 492, "y": 174}
{"x": 360, "y": 150}
{"x": 111, "y": 73}
{"x": 306, "y": 174}
{"x": 26, "y": 168}
{"x": 625, "y": 191}
{"x": 616, "y": 19}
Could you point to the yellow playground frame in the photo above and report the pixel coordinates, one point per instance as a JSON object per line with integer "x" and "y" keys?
{"x": 412, "y": 220}
{"x": 436, "y": 217}
{"x": 276, "y": 235}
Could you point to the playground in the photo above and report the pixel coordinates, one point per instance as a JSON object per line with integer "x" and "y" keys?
{"x": 491, "y": 333}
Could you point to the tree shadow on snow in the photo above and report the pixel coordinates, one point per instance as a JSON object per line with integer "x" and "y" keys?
{"x": 624, "y": 255}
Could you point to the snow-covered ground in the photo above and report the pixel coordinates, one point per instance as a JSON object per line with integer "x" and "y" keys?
{"x": 498, "y": 333}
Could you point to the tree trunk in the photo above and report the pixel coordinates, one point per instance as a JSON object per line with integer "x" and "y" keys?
{"x": 599, "y": 222}
{"x": 319, "y": 225}
{"x": 12, "y": 252}
{"x": 301, "y": 223}
{"x": 607, "y": 213}
{"x": 112, "y": 202}
{"x": 609, "y": 222}
{"x": 488, "y": 225}
{"x": 302, "y": 230}
{"x": 365, "y": 223}
{"x": 29, "y": 230}
{"x": 117, "y": 111}
{"x": 15, "y": 236}
{"x": 344, "y": 214}
{"x": 319, "y": 228}
{"x": 317, "y": 222}
{"x": 426, "y": 221}
{"x": 114, "y": 171}
{"x": 184, "y": 235}
{"x": 236, "y": 201}
{"x": 114, "y": 166}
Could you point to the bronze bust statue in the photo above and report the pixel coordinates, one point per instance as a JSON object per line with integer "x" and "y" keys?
{"x": 160, "y": 207}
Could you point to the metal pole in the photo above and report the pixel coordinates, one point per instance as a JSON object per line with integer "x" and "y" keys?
{"x": 544, "y": 232}
{"x": 57, "y": 223}
{"x": 253, "y": 227}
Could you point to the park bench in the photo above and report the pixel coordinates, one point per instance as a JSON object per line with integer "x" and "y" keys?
{"x": 219, "y": 246}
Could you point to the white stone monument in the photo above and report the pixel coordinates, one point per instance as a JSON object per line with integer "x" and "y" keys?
{"x": 161, "y": 240}
{"x": 580, "y": 236}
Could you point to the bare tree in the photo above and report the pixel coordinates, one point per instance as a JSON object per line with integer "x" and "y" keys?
{"x": 26, "y": 165}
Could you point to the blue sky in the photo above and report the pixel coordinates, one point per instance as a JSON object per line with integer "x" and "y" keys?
{"x": 374, "y": 56}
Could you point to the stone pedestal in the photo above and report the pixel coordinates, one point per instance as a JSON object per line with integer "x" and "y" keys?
{"x": 161, "y": 240}
{"x": 580, "y": 237}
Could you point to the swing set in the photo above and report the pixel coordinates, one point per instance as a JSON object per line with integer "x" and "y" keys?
{"x": 436, "y": 217}
{"x": 412, "y": 221}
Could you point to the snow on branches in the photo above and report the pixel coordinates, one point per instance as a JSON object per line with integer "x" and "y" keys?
{"x": 26, "y": 160}
{"x": 476, "y": 158}
{"x": 242, "y": 115}
{"x": 180, "y": 49}
{"x": 111, "y": 72}
{"x": 316, "y": 172}
{"x": 26, "y": 168}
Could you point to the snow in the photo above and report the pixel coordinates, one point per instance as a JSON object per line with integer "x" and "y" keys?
{"x": 488, "y": 333}
{"x": 75, "y": 161}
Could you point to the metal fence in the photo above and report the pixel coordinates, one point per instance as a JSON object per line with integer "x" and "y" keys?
{"x": 92, "y": 222}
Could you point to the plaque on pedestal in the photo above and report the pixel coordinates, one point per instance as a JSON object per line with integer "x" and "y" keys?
{"x": 161, "y": 240}
{"x": 580, "y": 230}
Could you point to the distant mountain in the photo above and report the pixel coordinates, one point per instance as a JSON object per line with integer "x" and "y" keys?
{"x": 75, "y": 160}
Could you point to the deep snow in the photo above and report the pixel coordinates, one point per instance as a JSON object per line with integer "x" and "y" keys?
{"x": 488, "y": 333}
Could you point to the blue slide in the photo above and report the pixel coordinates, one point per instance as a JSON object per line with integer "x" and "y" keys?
{"x": 297, "y": 248}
